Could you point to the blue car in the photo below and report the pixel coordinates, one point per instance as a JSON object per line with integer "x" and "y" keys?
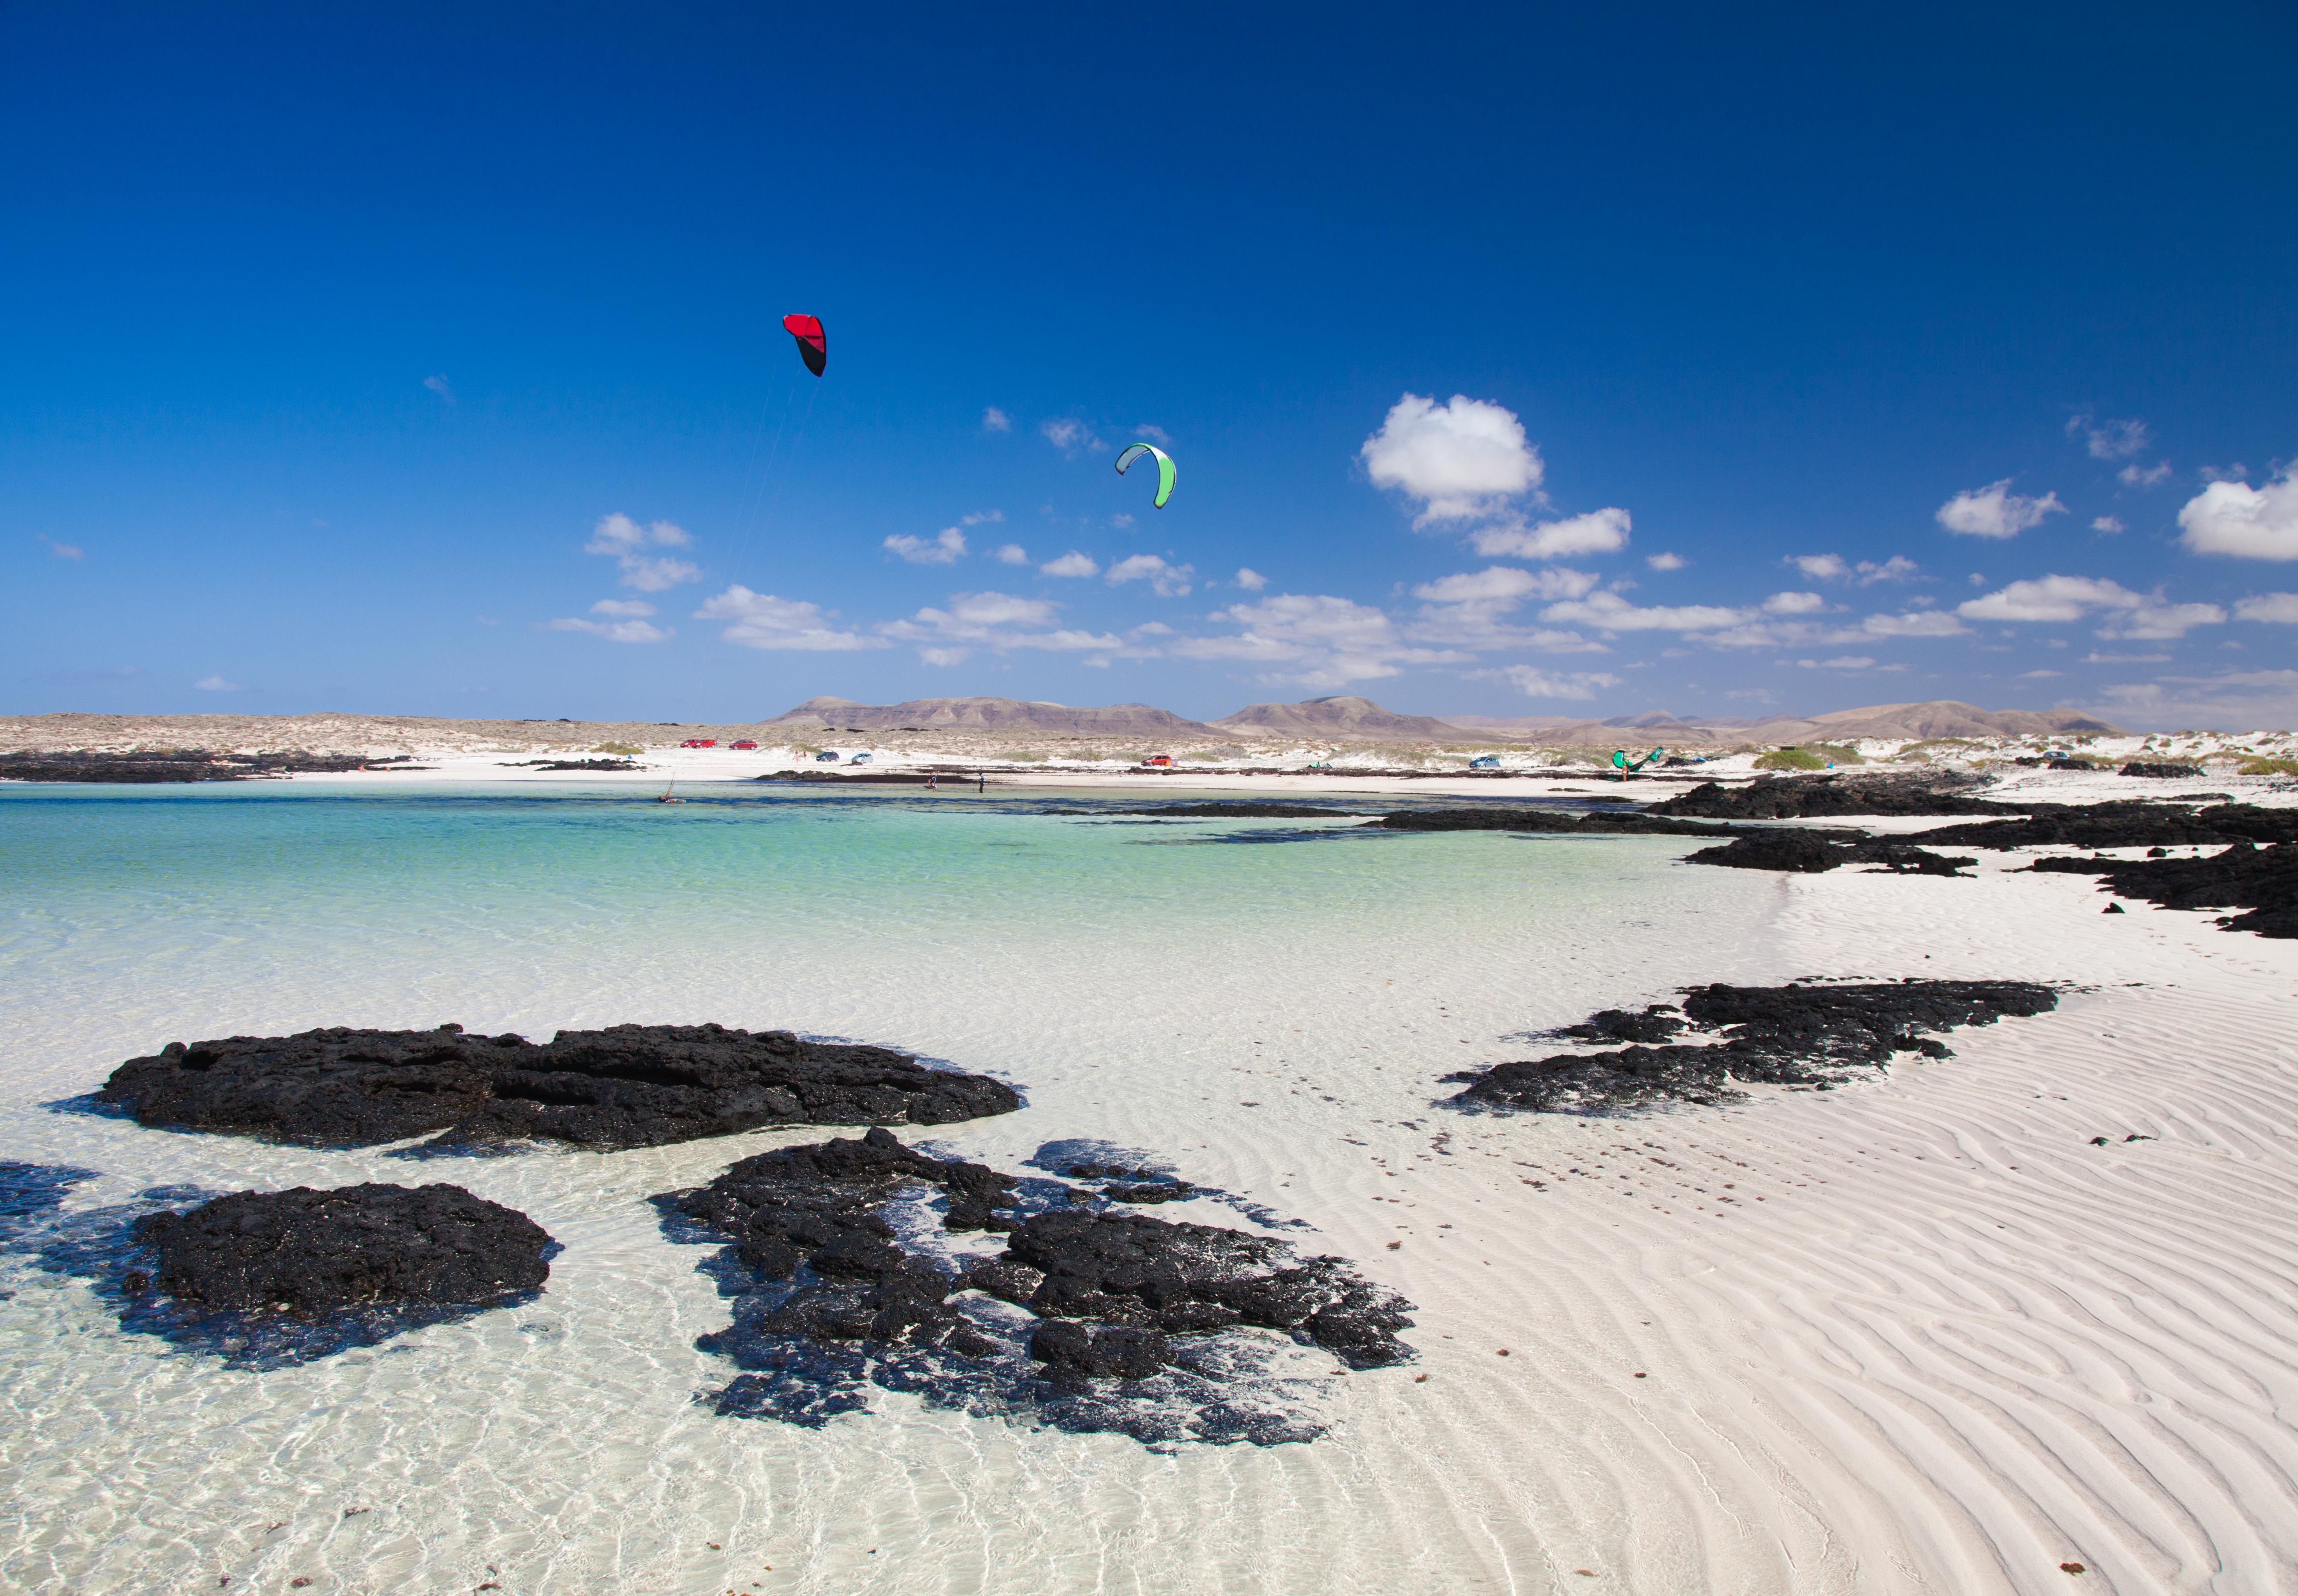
{"x": 829, "y": 758}
{"x": 1485, "y": 762}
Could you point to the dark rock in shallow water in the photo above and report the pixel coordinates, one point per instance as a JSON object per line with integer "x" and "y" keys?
{"x": 1797, "y": 1035}
{"x": 1087, "y": 1320}
{"x": 1238, "y": 811}
{"x": 312, "y": 1252}
{"x": 1813, "y": 852}
{"x": 628, "y": 1086}
{"x": 1802, "y": 798}
{"x": 1634, "y": 822}
{"x": 2261, "y": 880}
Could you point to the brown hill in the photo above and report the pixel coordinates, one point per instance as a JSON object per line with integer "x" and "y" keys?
{"x": 1940, "y": 717}
{"x": 1338, "y": 719}
{"x": 986, "y": 714}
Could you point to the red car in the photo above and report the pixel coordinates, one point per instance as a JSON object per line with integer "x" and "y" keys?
{"x": 745, "y": 743}
{"x": 699, "y": 742}
{"x": 1158, "y": 761}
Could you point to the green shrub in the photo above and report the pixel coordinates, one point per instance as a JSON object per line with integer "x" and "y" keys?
{"x": 627, "y": 749}
{"x": 2269, "y": 767}
{"x": 1790, "y": 759}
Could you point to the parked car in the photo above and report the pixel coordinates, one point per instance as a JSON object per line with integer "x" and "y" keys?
{"x": 746, "y": 744}
{"x": 699, "y": 742}
{"x": 1158, "y": 762}
{"x": 1485, "y": 762}
{"x": 826, "y": 759}
{"x": 859, "y": 759}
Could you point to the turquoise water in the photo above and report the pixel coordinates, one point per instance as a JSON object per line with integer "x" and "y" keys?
{"x": 1260, "y": 1013}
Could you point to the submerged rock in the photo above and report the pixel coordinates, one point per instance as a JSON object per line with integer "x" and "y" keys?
{"x": 1811, "y": 1035}
{"x": 2263, "y": 881}
{"x": 308, "y": 1253}
{"x": 1087, "y": 1320}
{"x": 627, "y": 1086}
{"x": 1628, "y": 822}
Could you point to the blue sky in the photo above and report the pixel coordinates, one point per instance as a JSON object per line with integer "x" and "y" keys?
{"x": 1518, "y": 359}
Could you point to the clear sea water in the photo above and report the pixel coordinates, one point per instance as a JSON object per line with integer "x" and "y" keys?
{"x": 1272, "y": 1019}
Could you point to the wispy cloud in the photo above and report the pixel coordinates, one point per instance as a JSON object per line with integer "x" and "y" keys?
{"x": 1994, "y": 512}
{"x": 1070, "y": 437}
{"x": 62, "y": 551}
{"x": 2234, "y": 701}
{"x": 2145, "y": 477}
{"x": 217, "y": 684}
{"x": 994, "y": 420}
{"x": 1534, "y": 683}
{"x": 2061, "y": 599}
{"x": 439, "y": 385}
{"x": 1012, "y": 554}
{"x": 946, "y": 548}
{"x": 1609, "y": 612}
{"x": 1071, "y": 564}
{"x": 762, "y": 621}
{"x": 1167, "y": 581}
{"x": 1666, "y": 562}
{"x": 1313, "y": 641}
{"x": 2109, "y": 524}
{"x": 1834, "y": 567}
{"x": 1251, "y": 580}
{"x": 1599, "y": 532}
{"x": 626, "y": 540}
{"x": 1002, "y": 622}
{"x": 2109, "y": 440}
{"x": 2268, "y": 606}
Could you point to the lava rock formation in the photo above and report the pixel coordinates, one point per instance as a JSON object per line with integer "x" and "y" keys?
{"x": 2263, "y": 881}
{"x": 627, "y": 1086}
{"x": 1810, "y": 1035}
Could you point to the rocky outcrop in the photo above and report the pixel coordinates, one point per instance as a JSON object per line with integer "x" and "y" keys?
{"x": 627, "y": 1086}
{"x": 2126, "y": 824}
{"x": 1088, "y": 1318}
{"x": 1809, "y": 1035}
{"x": 1811, "y": 852}
{"x": 1801, "y": 798}
{"x": 2162, "y": 772}
{"x": 182, "y": 765}
{"x": 2261, "y": 881}
{"x": 310, "y": 1252}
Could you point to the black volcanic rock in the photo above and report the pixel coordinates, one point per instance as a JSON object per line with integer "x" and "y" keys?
{"x": 1088, "y": 1319}
{"x": 2263, "y": 881}
{"x": 2162, "y": 772}
{"x": 1238, "y": 811}
{"x": 627, "y": 1086}
{"x": 182, "y": 765}
{"x": 2128, "y": 823}
{"x": 1807, "y": 852}
{"x": 1797, "y": 1035}
{"x": 1630, "y": 822}
{"x": 1801, "y": 798}
{"x": 311, "y": 1252}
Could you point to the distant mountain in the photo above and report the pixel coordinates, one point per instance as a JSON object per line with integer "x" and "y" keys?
{"x": 1940, "y": 717}
{"x": 1945, "y": 717}
{"x": 986, "y": 714}
{"x": 1336, "y": 720}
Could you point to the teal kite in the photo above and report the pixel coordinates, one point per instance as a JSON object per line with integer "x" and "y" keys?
{"x": 1164, "y": 468}
{"x": 1621, "y": 761}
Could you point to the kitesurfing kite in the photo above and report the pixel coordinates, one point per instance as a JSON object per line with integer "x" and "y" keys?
{"x": 813, "y": 348}
{"x": 1164, "y": 468}
{"x": 1621, "y": 761}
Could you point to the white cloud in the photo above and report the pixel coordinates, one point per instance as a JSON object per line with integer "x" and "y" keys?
{"x": 2237, "y": 471}
{"x": 1794, "y": 604}
{"x": 2126, "y": 614}
{"x": 1469, "y": 610}
{"x": 1611, "y": 613}
{"x": 1155, "y": 434}
{"x": 623, "y": 609}
{"x": 945, "y": 657}
{"x": 623, "y": 537}
{"x": 1897, "y": 568}
{"x": 1536, "y": 683}
{"x": 1154, "y": 629}
{"x": 1994, "y": 512}
{"x": 1328, "y": 641}
{"x": 947, "y": 546}
{"x": 2109, "y": 440}
{"x": 2038, "y": 675}
{"x": 2096, "y": 657}
{"x": 1070, "y": 436}
{"x": 981, "y": 516}
{"x": 1071, "y": 564}
{"x": 1506, "y": 583}
{"x": 1599, "y": 532}
{"x": 439, "y": 385}
{"x": 614, "y": 632}
{"x": 217, "y": 684}
{"x": 2233, "y": 517}
{"x": 1821, "y": 568}
{"x": 762, "y": 621}
{"x": 1012, "y": 554}
{"x": 1168, "y": 581}
{"x": 2145, "y": 477}
{"x": 1462, "y": 460}
{"x": 1251, "y": 580}
{"x": 1921, "y": 624}
{"x": 62, "y": 551}
{"x": 2108, "y": 523}
{"x": 1666, "y": 562}
{"x": 1121, "y": 522}
{"x": 1846, "y": 662}
{"x": 994, "y": 420}
{"x": 2268, "y": 606}
{"x": 988, "y": 619}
